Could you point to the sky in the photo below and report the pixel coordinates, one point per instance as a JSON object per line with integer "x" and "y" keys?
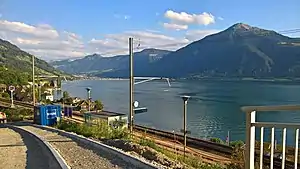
{"x": 60, "y": 29}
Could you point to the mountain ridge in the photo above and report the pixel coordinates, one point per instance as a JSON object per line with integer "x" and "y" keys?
{"x": 12, "y": 57}
{"x": 101, "y": 64}
{"x": 239, "y": 51}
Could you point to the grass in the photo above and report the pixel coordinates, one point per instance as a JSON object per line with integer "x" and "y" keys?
{"x": 189, "y": 160}
{"x": 99, "y": 131}
{"x": 14, "y": 115}
{"x": 102, "y": 131}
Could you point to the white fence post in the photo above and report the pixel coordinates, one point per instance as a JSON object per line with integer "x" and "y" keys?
{"x": 250, "y": 140}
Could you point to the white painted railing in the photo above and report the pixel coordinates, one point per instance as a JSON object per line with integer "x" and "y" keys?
{"x": 251, "y": 123}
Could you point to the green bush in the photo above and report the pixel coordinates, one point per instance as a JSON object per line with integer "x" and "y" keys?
{"x": 147, "y": 142}
{"x": 236, "y": 144}
{"x": 217, "y": 140}
{"x": 18, "y": 114}
{"x": 5, "y": 95}
{"x": 99, "y": 130}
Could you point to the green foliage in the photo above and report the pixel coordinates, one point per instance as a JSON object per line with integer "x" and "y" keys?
{"x": 11, "y": 76}
{"x": 5, "y": 95}
{"x": 217, "y": 140}
{"x": 99, "y": 130}
{"x": 147, "y": 142}
{"x": 66, "y": 95}
{"x": 18, "y": 114}
{"x": 236, "y": 144}
{"x": 21, "y": 63}
{"x": 98, "y": 105}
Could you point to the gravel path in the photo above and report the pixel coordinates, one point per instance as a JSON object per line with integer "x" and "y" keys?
{"x": 19, "y": 150}
{"x": 79, "y": 156}
{"x": 12, "y": 150}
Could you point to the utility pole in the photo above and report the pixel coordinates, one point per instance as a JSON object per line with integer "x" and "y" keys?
{"x": 131, "y": 83}
{"x": 33, "y": 82}
{"x": 185, "y": 99}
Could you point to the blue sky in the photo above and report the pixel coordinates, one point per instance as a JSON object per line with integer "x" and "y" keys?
{"x": 74, "y": 28}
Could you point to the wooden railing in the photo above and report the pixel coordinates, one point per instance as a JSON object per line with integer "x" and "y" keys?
{"x": 251, "y": 124}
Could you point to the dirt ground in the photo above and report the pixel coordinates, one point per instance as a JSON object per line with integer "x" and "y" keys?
{"x": 12, "y": 150}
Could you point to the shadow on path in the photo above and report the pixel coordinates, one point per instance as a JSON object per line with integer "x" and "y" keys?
{"x": 38, "y": 156}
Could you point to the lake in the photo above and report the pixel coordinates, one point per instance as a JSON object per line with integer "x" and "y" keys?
{"x": 213, "y": 110}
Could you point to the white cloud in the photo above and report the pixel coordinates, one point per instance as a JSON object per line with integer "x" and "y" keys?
{"x": 36, "y": 31}
{"x": 185, "y": 18}
{"x": 220, "y": 18}
{"x": 46, "y": 42}
{"x": 146, "y": 39}
{"x": 194, "y": 35}
{"x": 175, "y": 26}
{"x": 42, "y": 40}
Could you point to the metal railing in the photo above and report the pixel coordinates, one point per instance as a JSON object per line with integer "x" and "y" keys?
{"x": 251, "y": 125}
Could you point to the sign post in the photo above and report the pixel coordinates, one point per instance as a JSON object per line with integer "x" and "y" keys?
{"x": 12, "y": 89}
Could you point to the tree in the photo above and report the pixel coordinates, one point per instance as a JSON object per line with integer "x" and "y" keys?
{"x": 5, "y": 95}
{"x": 66, "y": 95}
{"x": 98, "y": 105}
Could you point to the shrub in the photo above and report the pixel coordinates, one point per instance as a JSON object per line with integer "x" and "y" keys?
{"x": 99, "y": 130}
{"x": 217, "y": 140}
{"x": 18, "y": 114}
{"x": 236, "y": 144}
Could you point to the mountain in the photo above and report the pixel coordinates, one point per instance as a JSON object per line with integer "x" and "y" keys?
{"x": 98, "y": 65}
{"x": 13, "y": 58}
{"x": 239, "y": 51}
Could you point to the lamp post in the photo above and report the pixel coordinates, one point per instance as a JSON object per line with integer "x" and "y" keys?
{"x": 185, "y": 100}
{"x": 88, "y": 89}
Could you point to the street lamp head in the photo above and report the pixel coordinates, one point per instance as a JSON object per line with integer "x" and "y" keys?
{"x": 88, "y": 89}
{"x": 185, "y": 97}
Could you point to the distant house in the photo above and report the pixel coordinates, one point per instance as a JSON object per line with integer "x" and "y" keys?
{"x": 20, "y": 94}
{"x": 49, "y": 97}
{"x": 48, "y": 90}
{"x": 84, "y": 104}
{"x": 76, "y": 100}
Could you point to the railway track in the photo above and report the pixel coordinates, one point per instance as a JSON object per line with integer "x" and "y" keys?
{"x": 7, "y": 102}
{"x": 175, "y": 147}
{"x": 195, "y": 143}
{"x": 199, "y": 144}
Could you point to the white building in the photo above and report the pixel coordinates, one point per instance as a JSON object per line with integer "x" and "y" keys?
{"x": 49, "y": 97}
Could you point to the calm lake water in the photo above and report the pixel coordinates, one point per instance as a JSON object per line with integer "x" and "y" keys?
{"x": 213, "y": 110}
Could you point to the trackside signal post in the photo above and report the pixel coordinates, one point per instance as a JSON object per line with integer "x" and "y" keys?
{"x": 12, "y": 89}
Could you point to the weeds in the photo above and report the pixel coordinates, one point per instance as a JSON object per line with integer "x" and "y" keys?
{"x": 100, "y": 130}
{"x": 13, "y": 115}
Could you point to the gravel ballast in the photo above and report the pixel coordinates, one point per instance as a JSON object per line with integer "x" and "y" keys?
{"x": 78, "y": 155}
{"x": 12, "y": 150}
